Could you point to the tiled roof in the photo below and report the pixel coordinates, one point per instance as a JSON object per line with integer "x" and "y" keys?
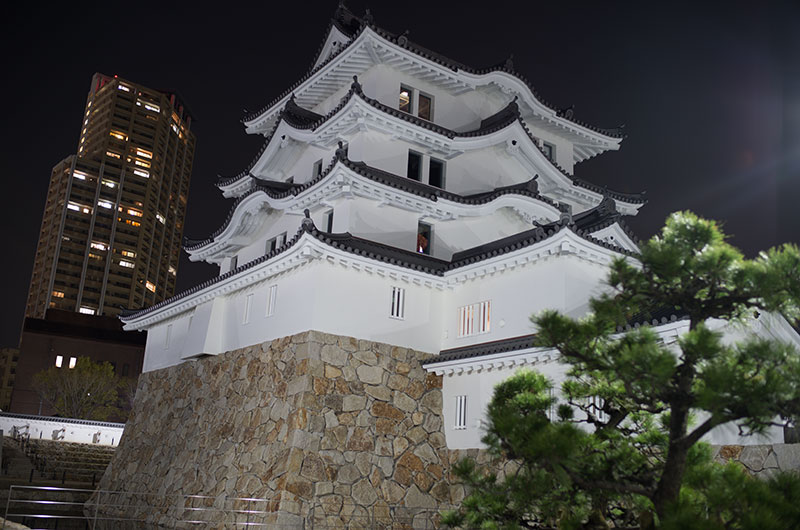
{"x": 655, "y": 317}
{"x": 353, "y": 25}
{"x": 279, "y": 190}
{"x": 484, "y": 348}
{"x": 503, "y": 118}
{"x": 394, "y": 256}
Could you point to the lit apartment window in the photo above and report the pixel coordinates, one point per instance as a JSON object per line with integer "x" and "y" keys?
{"x": 120, "y": 87}
{"x": 132, "y": 223}
{"x": 86, "y": 310}
{"x": 99, "y": 246}
{"x": 248, "y": 304}
{"x": 129, "y": 253}
{"x": 272, "y": 298}
{"x": 58, "y": 294}
{"x": 92, "y": 255}
{"x": 424, "y": 238}
{"x": 161, "y": 218}
{"x": 105, "y": 204}
{"x": 112, "y": 154}
{"x": 109, "y": 183}
{"x": 149, "y": 106}
{"x": 78, "y": 207}
{"x": 150, "y": 286}
{"x": 172, "y": 270}
{"x": 414, "y": 170}
{"x": 118, "y": 135}
{"x": 398, "y": 309}
{"x": 474, "y": 319}
{"x": 141, "y": 163}
{"x": 141, "y": 173}
{"x": 126, "y": 264}
{"x": 328, "y": 219}
{"x": 59, "y": 361}
{"x": 72, "y": 362}
{"x": 461, "y": 413}
{"x": 80, "y": 175}
{"x": 436, "y": 173}
{"x": 406, "y": 102}
{"x": 143, "y": 153}
{"x": 549, "y": 151}
{"x": 175, "y": 129}
{"x": 135, "y": 213}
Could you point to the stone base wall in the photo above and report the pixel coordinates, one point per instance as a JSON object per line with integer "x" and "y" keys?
{"x": 762, "y": 461}
{"x": 324, "y": 427}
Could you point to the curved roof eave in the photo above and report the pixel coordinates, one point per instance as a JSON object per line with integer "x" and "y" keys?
{"x": 391, "y": 256}
{"x": 502, "y": 75}
{"x": 508, "y": 116}
{"x": 199, "y": 248}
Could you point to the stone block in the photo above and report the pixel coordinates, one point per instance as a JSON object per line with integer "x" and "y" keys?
{"x": 366, "y": 357}
{"x": 379, "y": 392}
{"x": 787, "y": 456}
{"x": 350, "y": 403}
{"x": 363, "y": 493}
{"x": 404, "y": 402}
{"x": 385, "y": 410}
{"x": 372, "y": 375}
{"x": 753, "y": 457}
{"x": 417, "y": 499}
{"x": 334, "y": 355}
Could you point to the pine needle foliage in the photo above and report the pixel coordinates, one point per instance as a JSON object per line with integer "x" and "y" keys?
{"x": 620, "y": 445}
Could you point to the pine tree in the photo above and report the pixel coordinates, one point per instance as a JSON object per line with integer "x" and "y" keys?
{"x": 625, "y": 442}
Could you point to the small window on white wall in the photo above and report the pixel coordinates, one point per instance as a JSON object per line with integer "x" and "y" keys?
{"x": 248, "y": 303}
{"x": 398, "y": 303}
{"x": 167, "y": 336}
{"x": 474, "y": 319}
{"x": 272, "y": 298}
{"x": 461, "y": 413}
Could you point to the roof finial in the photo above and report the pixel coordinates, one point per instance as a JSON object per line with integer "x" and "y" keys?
{"x": 341, "y": 152}
{"x": 356, "y": 86}
{"x": 368, "y": 19}
{"x": 402, "y": 40}
{"x": 307, "y": 223}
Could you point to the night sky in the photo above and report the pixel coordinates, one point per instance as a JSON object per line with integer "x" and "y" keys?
{"x": 709, "y": 94}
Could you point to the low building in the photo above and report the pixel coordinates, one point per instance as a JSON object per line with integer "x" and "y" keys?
{"x": 59, "y": 339}
{"x": 8, "y": 371}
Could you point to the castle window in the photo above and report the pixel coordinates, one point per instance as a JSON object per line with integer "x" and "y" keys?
{"x": 424, "y": 238}
{"x": 461, "y": 413}
{"x": 272, "y": 298}
{"x": 329, "y": 220}
{"x": 406, "y": 102}
{"x": 167, "y": 336}
{"x": 436, "y": 173}
{"x": 248, "y": 303}
{"x": 425, "y": 110}
{"x": 398, "y": 309}
{"x": 549, "y": 151}
{"x": 474, "y": 319}
{"x": 276, "y": 242}
{"x": 414, "y": 166}
{"x": 234, "y": 260}
{"x": 317, "y": 169}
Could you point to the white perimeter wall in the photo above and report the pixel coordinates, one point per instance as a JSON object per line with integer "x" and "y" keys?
{"x": 64, "y": 429}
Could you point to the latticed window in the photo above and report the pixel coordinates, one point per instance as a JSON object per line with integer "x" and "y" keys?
{"x": 474, "y": 319}
{"x": 398, "y": 309}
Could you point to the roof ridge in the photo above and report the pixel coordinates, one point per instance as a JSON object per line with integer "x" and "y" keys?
{"x": 506, "y": 67}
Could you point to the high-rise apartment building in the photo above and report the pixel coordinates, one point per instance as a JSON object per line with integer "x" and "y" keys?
{"x": 113, "y": 221}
